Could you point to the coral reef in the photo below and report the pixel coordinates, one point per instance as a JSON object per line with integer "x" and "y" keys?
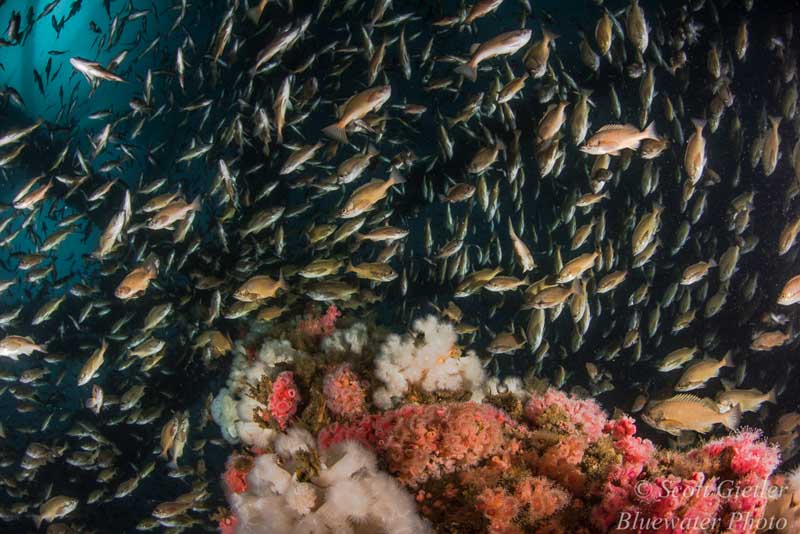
{"x": 297, "y": 489}
{"x": 414, "y": 437}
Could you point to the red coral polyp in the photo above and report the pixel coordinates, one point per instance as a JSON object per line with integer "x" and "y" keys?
{"x": 227, "y": 525}
{"x": 283, "y": 399}
{"x": 344, "y": 394}
{"x": 315, "y": 327}
{"x": 579, "y": 415}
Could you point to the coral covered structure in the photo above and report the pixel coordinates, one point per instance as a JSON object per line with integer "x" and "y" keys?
{"x": 421, "y": 440}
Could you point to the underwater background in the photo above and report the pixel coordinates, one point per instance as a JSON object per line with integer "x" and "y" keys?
{"x": 183, "y": 380}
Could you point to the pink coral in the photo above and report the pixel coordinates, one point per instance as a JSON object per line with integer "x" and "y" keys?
{"x": 620, "y": 428}
{"x": 561, "y": 462}
{"x": 319, "y": 326}
{"x": 635, "y": 451}
{"x": 499, "y": 508}
{"x": 344, "y": 394}
{"x": 582, "y": 415}
{"x": 423, "y": 441}
{"x": 542, "y": 496}
{"x": 283, "y": 399}
{"x": 361, "y": 431}
{"x": 427, "y": 441}
{"x": 750, "y": 453}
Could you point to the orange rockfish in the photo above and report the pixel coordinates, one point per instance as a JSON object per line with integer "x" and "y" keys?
{"x": 504, "y": 44}
{"x": 694, "y": 160}
{"x": 259, "y": 288}
{"x": 365, "y": 197}
{"x": 612, "y": 138}
{"x": 356, "y": 108}
{"x": 687, "y": 412}
{"x": 174, "y": 212}
{"x": 480, "y": 9}
{"x": 136, "y": 282}
{"x": 790, "y": 294}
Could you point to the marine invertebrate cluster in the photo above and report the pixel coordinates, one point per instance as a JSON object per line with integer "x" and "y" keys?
{"x": 283, "y": 399}
{"x": 559, "y": 411}
{"x": 322, "y": 325}
{"x": 344, "y": 394}
{"x": 300, "y": 489}
{"x": 430, "y": 359}
{"x": 458, "y": 452}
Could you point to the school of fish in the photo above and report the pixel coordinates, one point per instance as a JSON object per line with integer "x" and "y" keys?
{"x": 613, "y": 210}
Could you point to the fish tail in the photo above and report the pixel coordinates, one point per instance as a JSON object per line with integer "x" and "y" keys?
{"x": 732, "y": 418}
{"x": 650, "y": 132}
{"x": 727, "y": 361}
{"x": 775, "y": 120}
{"x": 550, "y": 35}
{"x": 282, "y": 281}
{"x": 699, "y": 124}
{"x": 575, "y": 287}
{"x": 397, "y": 178}
{"x": 468, "y": 70}
{"x": 336, "y": 132}
{"x": 772, "y": 396}
{"x": 254, "y": 13}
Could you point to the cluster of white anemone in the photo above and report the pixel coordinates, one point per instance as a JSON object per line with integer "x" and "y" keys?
{"x": 426, "y": 357}
{"x": 348, "y": 494}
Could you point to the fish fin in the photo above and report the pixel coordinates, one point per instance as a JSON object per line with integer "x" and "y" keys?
{"x": 575, "y": 287}
{"x": 511, "y": 231}
{"x": 727, "y": 385}
{"x": 775, "y": 120}
{"x": 474, "y": 47}
{"x": 468, "y": 71}
{"x": 772, "y": 395}
{"x": 732, "y": 417}
{"x": 254, "y": 13}
{"x": 282, "y": 281}
{"x": 608, "y": 127}
{"x": 727, "y": 360}
{"x": 397, "y": 178}
{"x": 195, "y": 205}
{"x": 650, "y": 132}
{"x": 549, "y": 34}
{"x": 699, "y": 124}
{"x": 686, "y": 397}
{"x": 336, "y": 132}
